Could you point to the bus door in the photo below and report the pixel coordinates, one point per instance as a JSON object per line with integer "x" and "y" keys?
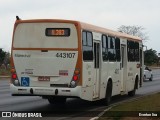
{"x": 123, "y": 68}
{"x": 96, "y": 68}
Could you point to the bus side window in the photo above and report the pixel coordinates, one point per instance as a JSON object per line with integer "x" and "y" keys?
{"x": 133, "y": 51}
{"x": 89, "y": 39}
{"x": 87, "y": 42}
{"x": 105, "y": 48}
{"x": 130, "y": 51}
{"x": 137, "y": 51}
{"x": 111, "y": 49}
{"x": 84, "y": 38}
{"x": 117, "y": 47}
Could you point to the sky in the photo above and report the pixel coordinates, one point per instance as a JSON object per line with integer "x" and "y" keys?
{"x": 109, "y": 14}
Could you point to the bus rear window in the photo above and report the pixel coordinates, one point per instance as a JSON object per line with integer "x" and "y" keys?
{"x": 58, "y": 32}
{"x": 45, "y": 35}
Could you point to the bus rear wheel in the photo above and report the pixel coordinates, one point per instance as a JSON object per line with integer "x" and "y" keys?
{"x": 133, "y": 92}
{"x": 57, "y": 100}
{"x": 108, "y": 95}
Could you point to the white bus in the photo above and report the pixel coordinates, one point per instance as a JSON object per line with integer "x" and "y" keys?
{"x": 59, "y": 59}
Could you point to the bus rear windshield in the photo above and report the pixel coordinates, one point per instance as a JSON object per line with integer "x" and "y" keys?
{"x": 45, "y": 35}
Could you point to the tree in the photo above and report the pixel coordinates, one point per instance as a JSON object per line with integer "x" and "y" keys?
{"x": 2, "y": 56}
{"x": 150, "y": 57}
{"x": 6, "y": 60}
{"x": 134, "y": 30}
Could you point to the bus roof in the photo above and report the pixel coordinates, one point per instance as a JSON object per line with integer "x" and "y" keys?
{"x": 109, "y": 32}
{"x": 86, "y": 26}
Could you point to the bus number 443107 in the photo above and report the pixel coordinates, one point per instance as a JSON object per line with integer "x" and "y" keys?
{"x": 65, "y": 55}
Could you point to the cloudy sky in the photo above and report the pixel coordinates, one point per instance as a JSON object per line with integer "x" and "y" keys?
{"x": 104, "y": 13}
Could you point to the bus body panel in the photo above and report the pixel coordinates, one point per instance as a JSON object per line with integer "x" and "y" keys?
{"x": 46, "y": 91}
{"x": 132, "y": 72}
{"x": 42, "y": 62}
{"x": 34, "y": 64}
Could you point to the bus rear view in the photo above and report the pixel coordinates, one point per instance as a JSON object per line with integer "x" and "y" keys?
{"x": 58, "y": 59}
{"x": 45, "y": 59}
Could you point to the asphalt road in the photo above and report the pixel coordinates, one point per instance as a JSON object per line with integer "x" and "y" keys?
{"x": 74, "y": 108}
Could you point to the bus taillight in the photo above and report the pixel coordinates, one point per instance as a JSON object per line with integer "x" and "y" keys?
{"x": 13, "y": 72}
{"x": 15, "y": 80}
{"x": 14, "y": 76}
{"x": 75, "y": 78}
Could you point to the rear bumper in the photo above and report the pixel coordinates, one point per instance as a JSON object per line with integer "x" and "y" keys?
{"x": 44, "y": 91}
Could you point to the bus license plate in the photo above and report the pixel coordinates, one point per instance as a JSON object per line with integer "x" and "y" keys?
{"x": 43, "y": 78}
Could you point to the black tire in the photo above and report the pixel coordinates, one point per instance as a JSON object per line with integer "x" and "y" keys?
{"x": 108, "y": 96}
{"x": 57, "y": 100}
{"x": 151, "y": 78}
{"x": 133, "y": 92}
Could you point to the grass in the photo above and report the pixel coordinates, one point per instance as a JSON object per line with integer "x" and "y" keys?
{"x": 130, "y": 110}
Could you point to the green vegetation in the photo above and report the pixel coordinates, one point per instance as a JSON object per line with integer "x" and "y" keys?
{"x": 5, "y": 72}
{"x": 4, "y": 63}
{"x": 131, "y": 109}
{"x": 150, "y": 57}
{"x": 2, "y": 56}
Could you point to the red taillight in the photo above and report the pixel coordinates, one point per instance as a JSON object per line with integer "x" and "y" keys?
{"x": 14, "y": 76}
{"x": 75, "y": 77}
